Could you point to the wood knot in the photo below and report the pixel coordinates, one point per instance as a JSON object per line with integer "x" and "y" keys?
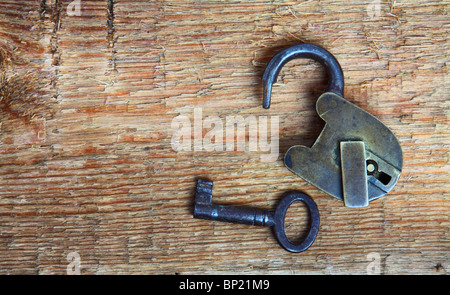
{"x": 21, "y": 94}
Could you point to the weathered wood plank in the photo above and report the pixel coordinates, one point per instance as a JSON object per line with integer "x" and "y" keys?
{"x": 86, "y": 110}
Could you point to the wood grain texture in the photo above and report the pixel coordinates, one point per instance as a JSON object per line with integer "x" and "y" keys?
{"x": 87, "y": 165}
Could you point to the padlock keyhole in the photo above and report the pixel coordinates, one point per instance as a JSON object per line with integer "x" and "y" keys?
{"x": 372, "y": 169}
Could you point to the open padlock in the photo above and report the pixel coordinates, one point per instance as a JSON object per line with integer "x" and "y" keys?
{"x": 356, "y": 158}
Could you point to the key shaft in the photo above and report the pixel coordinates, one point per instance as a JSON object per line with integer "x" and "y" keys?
{"x": 234, "y": 214}
{"x": 205, "y": 209}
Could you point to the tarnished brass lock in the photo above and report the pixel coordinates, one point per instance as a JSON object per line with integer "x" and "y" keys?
{"x": 356, "y": 158}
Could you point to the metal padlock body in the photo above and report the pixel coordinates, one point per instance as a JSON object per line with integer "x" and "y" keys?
{"x": 320, "y": 165}
{"x": 356, "y": 158}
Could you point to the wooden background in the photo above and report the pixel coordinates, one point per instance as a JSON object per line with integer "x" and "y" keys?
{"x": 87, "y": 165}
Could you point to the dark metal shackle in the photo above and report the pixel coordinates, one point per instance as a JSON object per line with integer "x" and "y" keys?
{"x": 314, "y": 52}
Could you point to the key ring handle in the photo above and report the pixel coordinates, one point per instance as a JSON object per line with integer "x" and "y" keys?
{"x": 280, "y": 214}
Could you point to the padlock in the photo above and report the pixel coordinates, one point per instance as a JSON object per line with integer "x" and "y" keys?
{"x": 356, "y": 158}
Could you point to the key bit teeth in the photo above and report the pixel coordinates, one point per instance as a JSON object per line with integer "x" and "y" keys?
{"x": 204, "y": 186}
{"x": 203, "y": 193}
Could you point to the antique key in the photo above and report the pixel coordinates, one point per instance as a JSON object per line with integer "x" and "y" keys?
{"x": 205, "y": 209}
{"x": 356, "y": 158}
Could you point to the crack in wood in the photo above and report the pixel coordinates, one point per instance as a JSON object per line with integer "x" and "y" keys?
{"x": 54, "y": 41}
{"x": 111, "y": 37}
{"x": 42, "y": 9}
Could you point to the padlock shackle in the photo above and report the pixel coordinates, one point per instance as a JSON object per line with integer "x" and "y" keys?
{"x": 314, "y": 52}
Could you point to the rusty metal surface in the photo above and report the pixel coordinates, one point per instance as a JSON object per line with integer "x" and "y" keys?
{"x": 354, "y": 174}
{"x": 320, "y": 165}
